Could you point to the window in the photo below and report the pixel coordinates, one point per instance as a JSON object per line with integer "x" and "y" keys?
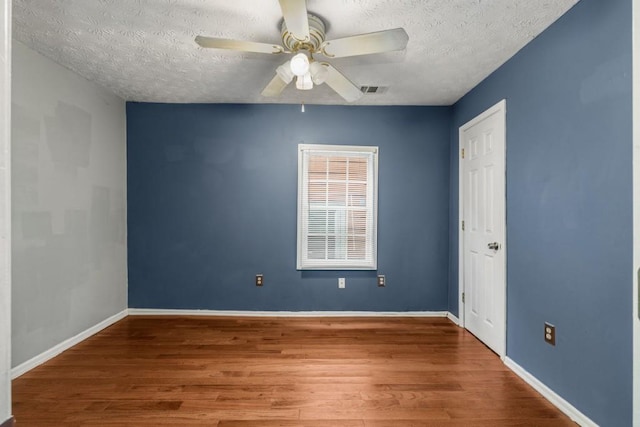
{"x": 337, "y": 207}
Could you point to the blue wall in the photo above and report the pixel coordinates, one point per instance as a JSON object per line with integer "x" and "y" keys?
{"x": 212, "y": 195}
{"x": 569, "y": 205}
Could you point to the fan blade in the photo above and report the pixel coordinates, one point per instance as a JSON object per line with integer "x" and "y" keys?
{"x": 275, "y": 87}
{"x": 244, "y": 46}
{"x": 295, "y": 16}
{"x": 365, "y": 44}
{"x": 342, "y": 85}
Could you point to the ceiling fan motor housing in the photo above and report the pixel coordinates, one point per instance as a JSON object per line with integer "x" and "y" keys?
{"x": 316, "y": 36}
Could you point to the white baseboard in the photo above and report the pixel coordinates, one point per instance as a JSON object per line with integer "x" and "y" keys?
{"x": 160, "y": 312}
{"x": 453, "y": 318}
{"x": 550, "y": 395}
{"x": 65, "y": 345}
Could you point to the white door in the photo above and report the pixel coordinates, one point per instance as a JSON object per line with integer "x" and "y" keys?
{"x": 483, "y": 237}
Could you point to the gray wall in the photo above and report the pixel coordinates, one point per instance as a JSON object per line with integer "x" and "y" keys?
{"x": 5, "y": 278}
{"x": 68, "y": 204}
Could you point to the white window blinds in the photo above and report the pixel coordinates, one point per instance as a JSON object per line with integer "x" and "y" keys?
{"x": 337, "y": 207}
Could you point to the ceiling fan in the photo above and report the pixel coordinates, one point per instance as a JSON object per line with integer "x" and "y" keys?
{"x": 303, "y": 35}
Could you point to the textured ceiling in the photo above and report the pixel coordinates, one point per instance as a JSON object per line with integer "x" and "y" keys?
{"x": 144, "y": 50}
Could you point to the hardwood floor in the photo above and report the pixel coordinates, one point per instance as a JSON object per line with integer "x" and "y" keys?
{"x": 233, "y": 371}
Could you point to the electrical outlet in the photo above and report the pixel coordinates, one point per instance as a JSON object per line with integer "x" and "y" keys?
{"x": 259, "y": 279}
{"x": 381, "y": 280}
{"x": 549, "y": 333}
{"x": 341, "y": 283}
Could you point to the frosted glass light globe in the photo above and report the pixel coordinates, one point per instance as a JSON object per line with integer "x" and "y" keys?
{"x": 304, "y": 82}
{"x": 300, "y": 64}
{"x": 319, "y": 73}
{"x": 284, "y": 71}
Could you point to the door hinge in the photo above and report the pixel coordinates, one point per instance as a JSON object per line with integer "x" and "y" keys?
{"x": 462, "y": 225}
{"x": 462, "y": 153}
{"x": 463, "y": 297}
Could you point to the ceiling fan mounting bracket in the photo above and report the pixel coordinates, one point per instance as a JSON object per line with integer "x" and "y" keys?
{"x": 322, "y": 50}
{"x": 311, "y": 43}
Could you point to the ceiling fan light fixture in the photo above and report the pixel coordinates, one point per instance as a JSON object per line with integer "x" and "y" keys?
{"x": 285, "y": 73}
{"x": 319, "y": 73}
{"x": 303, "y": 35}
{"x": 304, "y": 82}
{"x": 300, "y": 64}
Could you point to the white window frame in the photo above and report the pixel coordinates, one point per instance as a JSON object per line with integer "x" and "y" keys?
{"x": 303, "y": 263}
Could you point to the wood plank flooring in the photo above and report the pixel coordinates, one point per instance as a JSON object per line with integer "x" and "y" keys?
{"x": 265, "y": 372}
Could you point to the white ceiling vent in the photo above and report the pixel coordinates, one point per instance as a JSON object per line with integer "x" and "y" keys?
{"x": 370, "y": 90}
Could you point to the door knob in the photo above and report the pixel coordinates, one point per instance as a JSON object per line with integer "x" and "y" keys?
{"x": 494, "y": 245}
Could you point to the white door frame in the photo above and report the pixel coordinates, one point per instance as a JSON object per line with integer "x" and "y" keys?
{"x": 5, "y": 210}
{"x": 636, "y": 211}
{"x": 501, "y": 108}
